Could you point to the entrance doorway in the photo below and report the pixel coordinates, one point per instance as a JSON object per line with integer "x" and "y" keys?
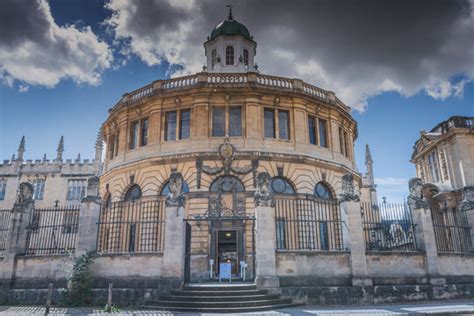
{"x": 227, "y": 250}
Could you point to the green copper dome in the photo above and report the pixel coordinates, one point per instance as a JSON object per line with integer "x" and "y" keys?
{"x": 230, "y": 27}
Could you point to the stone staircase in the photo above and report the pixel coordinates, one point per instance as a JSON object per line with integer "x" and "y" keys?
{"x": 219, "y": 298}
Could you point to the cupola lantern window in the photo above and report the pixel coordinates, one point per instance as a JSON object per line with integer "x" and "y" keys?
{"x": 229, "y": 55}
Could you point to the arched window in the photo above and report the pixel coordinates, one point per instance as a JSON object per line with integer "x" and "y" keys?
{"x": 165, "y": 190}
{"x": 213, "y": 57}
{"x": 322, "y": 191}
{"x": 246, "y": 57}
{"x": 280, "y": 185}
{"x": 227, "y": 184}
{"x": 133, "y": 193}
{"x": 229, "y": 55}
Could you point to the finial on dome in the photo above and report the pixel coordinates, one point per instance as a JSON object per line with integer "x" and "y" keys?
{"x": 230, "y": 12}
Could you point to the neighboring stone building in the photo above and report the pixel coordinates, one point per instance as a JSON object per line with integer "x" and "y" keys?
{"x": 61, "y": 180}
{"x": 233, "y": 175}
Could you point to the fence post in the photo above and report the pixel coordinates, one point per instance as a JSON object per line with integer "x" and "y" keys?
{"x": 48, "y": 298}
{"x": 17, "y": 234}
{"x": 266, "y": 272}
{"x": 350, "y": 205}
{"x": 424, "y": 231}
{"x": 173, "y": 250}
{"x": 88, "y": 218}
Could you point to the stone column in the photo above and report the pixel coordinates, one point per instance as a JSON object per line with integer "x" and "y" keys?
{"x": 173, "y": 252}
{"x": 350, "y": 205}
{"x": 266, "y": 273}
{"x": 424, "y": 232}
{"x": 17, "y": 233}
{"x": 89, "y": 214}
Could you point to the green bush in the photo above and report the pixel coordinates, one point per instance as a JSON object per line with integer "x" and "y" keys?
{"x": 79, "y": 285}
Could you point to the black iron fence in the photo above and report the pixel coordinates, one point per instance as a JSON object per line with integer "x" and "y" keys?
{"x": 307, "y": 223}
{"x": 452, "y": 230}
{"x": 5, "y": 217}
{"x": 388, "y": 227}
{"x": 131, "y": 227}
{"x": 52, "y": 230}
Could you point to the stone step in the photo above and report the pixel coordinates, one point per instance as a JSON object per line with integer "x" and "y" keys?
{"x": 224, "y": 304}
{"x": 220, "y": 287}
{"x": 216, "y": 292}
{"x": 219, "y": 309}
{"x": 214, "y": 298}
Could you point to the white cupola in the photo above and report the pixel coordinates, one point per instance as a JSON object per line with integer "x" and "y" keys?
{"x": 230, "y": 48}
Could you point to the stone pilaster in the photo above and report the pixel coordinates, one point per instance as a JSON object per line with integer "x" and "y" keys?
{"x": 425, "y": 239}
{"x": 360, "y": 276}
{"x": 266, "y": 274}
{"x": 173, "y": 252}
{"x": 16, "y": 238}
{"x": 88, "y": 228}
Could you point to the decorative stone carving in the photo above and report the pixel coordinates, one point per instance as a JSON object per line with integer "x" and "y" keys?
{"x": 348, "y": 189}
{"x": 227, "y": 155}
{"x": 24, "y": 198}
{"x": 467, "y": 202}
{"x": 416, "y": 199}
{"x": 176, "y": 197}
{"x": 92, "y": 190}
{"x": 263, "y": 196}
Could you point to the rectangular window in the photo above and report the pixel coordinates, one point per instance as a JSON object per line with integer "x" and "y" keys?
{"x": 170, "y": 125}
{"x": 184, "y": 124}
{"x": 218, "y": 122}
{"x": 132, "y": 236}
{"x": 111, "y": 145}
{"x": 235, "y": 121}
{"x": 346, "y": 144}
{"x": 341, "y": 141}
{"x": 70, "y": 222}
{"x": 116, "y": 144}
{"x": 76, "y": 189}
{"x": 323, "y": 133}
{"x": 35, "y": 222}
{"x": 269, "y": 123}
{"x": 284, "y": 124}
{"x": 312, "y": 130}
{"x": 324, "y": 235}
{"x": 280, "y": 233}
{"x": 134, "y": 130}
{"x": 38, "y": 189}
{"x": 433, "y": 165}
{"x": 3, "y": 187}
{"x": 144, "y": 132}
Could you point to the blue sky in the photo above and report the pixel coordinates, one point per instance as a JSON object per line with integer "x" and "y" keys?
{"x": 393, "y": 99}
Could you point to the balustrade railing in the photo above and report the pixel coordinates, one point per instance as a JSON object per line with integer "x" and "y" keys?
{"x": 307, "y": 223}
{"x": 232, "y": 79}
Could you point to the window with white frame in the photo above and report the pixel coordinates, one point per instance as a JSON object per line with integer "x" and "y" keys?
{"x": 433, "y": 165}
{"x": 76, "y": 189}
{"x": 38, "y": 189}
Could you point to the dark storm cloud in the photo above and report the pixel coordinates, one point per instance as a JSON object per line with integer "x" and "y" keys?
{"x": 356, "y": 48}
{"x": 35, "y": 50}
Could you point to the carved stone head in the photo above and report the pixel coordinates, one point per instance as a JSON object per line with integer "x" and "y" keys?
{"x": 93, "y": 186}
{"x": 263, "y": 195}
{"x": 348, "y": 184}
{"x": 25, "y": 195}
{"x": 467, "y": 198}
{"x": 176, "y": 183}
{"x": 415, "y": 186}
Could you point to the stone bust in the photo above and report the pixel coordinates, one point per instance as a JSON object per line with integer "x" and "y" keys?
{"x": 348, "y": 189}
{"x": 24, "y": 197}
{"x": 175, "y": 197}
{"x": 467, "y": 198}
{"x": 416, "y": 199}
{"x": 263, "y": 196}
{"x": 92, "y": 190}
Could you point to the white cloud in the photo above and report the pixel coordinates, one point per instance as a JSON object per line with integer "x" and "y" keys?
{"x": 358, "y": 49}
{"x": 390, "y": 181}
{"x": 23, "y": 88}
{"x": 35, "y": 50}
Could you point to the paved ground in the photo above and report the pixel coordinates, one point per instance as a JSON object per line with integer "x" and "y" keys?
{"x": 444, "y": 308}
